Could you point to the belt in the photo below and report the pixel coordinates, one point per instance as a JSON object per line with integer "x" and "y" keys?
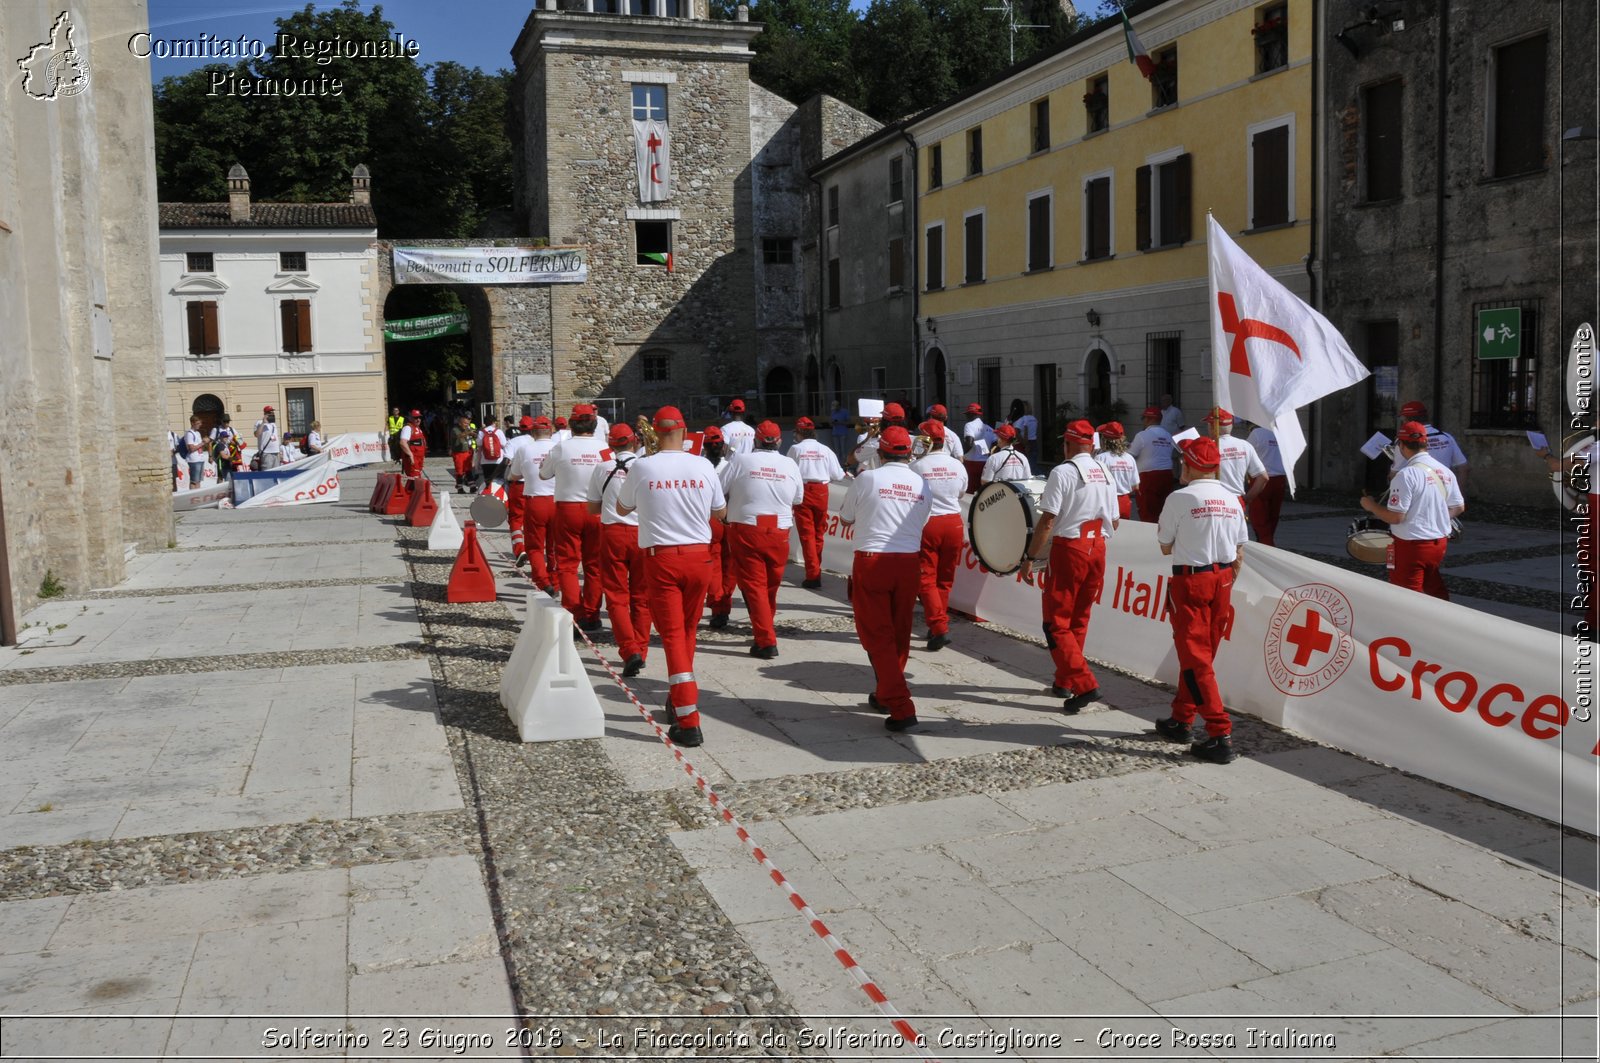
{"x": 691, "y": 548}
{"x": 764, "y": 521}
{"x": 1195, "y": 570}
{"x": 885, "y": 553}
{"x": 1425, "y": 542}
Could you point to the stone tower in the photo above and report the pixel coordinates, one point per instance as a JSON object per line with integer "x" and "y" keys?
{"x": 668, "y": 312}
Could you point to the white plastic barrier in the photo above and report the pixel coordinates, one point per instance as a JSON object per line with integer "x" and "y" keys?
{"x": 444, "y": 533}
{"x": 1469, "y": 699}
{"x": 544, "y": 686}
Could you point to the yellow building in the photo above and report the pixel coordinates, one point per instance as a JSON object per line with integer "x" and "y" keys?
{"x": 1061, "y": 209}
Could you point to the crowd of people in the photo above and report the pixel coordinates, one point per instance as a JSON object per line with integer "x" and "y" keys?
{"x": 222, "y": 447}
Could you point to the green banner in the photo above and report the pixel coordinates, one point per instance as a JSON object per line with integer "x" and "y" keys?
{"x": 425, "y": 328}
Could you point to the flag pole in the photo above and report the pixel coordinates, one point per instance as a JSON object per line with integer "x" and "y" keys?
{"x": 1216, "y": 380}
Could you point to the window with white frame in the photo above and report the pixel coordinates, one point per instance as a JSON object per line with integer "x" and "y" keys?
{"x": 649, "y": 103}
{"x": 1164, "y": 206}
{"x": 1271, "y": 172}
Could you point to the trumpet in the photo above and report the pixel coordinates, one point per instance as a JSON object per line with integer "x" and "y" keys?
{"x": 874, "y": 426}
{"x": 647, "y": 432}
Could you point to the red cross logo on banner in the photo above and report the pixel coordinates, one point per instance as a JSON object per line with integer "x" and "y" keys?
{"x": 1242, "y": 329}
{"x": 653, "y": 143}
{"x": 1308, "y": 637}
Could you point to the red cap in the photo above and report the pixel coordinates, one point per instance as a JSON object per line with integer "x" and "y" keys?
{"x": 1413, "y": 411}
{"x": 620, "y": 433}
{"x": 583, "y": 409}
{"x": 540, "y": 421}
{"x": 1219, "y": 416}
{"x": 526, "y": 424}
{"x": 266, "y": 409}
{"x": 893, "y": 411}
{"x": 973, "y": 407}
{"x": 736, "y": 406}
{"x": 668, "y": 419}
{"x": 1200, "y": 453}
{"x": 1006, "y": 432}
{"x": 561, "y": 422}
{"x": 938, "y": 411}
{"x": 1079, "y": 431}
{"x": 895, "y": 440}
{"x": 805, "y": 422}
{"x": 1152, "y": 413}
{"x": 1414, "y": 432}
{"x": 712, "y": 434}
{"x": 1111, "y": 430}
{"x": 934, "y": 430}
{"x": 768, "y": 432}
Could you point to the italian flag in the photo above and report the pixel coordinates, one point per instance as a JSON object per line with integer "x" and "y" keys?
{"x": 1137, "y": 53}
{"x": 656, "y": 256}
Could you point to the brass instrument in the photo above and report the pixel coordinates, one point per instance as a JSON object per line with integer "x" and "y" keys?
{"x": 874, "y": 426}
{"x": 923, "y": 445}
{"x": 647, "y": 432}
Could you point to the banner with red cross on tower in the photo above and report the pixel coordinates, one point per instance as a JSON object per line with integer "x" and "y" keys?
{"x": 652, "y": 149}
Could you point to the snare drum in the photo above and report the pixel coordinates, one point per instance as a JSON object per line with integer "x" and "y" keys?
{"x": 489, "y": 508}
{"x": 1369, "y": 540}
{"x": 1000, "y": 521}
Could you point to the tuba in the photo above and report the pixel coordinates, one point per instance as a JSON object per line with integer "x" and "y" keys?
{"x": 647, "y": 432}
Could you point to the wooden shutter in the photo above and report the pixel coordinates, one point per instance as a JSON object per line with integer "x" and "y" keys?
{"x": 936, "y": 257}
{"x": 1141, "y": 208}
{"x": 303, "y": 313}
{"x": 1183, "y": 201}
{"x": 208, "y": 328}
{"x": 974, "y": 248}
{"x": 1039, "y": 232}
{"x": 1269, "y": 150}
{"x": 288, "y": 325}
{"x": 897, "y": 263}
{"x": 197, "y": 327}
{"x": 1382, "y": 121}
{"x": 1098, "y": 217}
{"x": 1519, "y": 88}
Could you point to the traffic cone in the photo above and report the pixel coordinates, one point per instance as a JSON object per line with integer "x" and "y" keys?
{"x": 422, "y": 508}
{"x": 380, "y": 491}
{"x": 399, "y": 498}
{"x": 470, "y": 578}
{"x": 445, "y": 531}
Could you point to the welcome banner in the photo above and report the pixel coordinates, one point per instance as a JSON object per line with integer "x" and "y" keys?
{"x": 490, "y": 265}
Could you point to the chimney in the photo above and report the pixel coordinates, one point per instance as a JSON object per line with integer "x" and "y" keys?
{"x": 238, "y": 194}
{"x": 361, "y": 184}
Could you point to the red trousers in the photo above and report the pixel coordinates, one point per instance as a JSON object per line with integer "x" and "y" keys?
{"x": 578, "y": 543}
{"x": 463, "y": 464}
{"x": 1125, "y": 507}
{"x": 1071, "y": 585}
{"x": 720, "y": 594}
{"x": 516, "y": 514}
{"x": 941, "y": 549}
{"x": 1267, "y": 506}
{"x": 622, "y": 574}
{"x": 883, "y": 590}
{"x": 1416, "y": 566}
{"x": 974, "y": 474}
{"x": 678, "y": 577}
{"x": 811, "y": 519}
{"x": 1154, "y": 487}
{"x": 761, "y": 551}
{"x": 411, "y": 460}
{"x": 539, "y": 538}
{"x": 1201, "y": 603}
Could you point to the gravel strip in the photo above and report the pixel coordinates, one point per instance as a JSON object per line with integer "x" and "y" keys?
{"x": 234, "y": 588}
{"x": 31, "y": 872}
{"x": 65, "y": 673}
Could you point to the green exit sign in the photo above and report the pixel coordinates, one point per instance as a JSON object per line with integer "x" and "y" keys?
{"x": 1500, "y": 333}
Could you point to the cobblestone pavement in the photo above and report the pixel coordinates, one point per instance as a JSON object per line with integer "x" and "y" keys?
{"x": 250, "y": 793}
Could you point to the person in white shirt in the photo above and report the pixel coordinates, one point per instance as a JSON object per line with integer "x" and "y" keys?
{"x": 1441, "y": 444}
{"x": 1171, "y": 416}
{"x": 1268, "y": 505}
{"x": 314, "y": 441}
{"x": 677, "y": 496}
{"x": 269, "y": 444}
{"x": 1119, "y": 466}
{"x": 224, "y": 448}
{"x": 1152, "y": 450}
{"x": 571, "y": 465}
{"x": 864, "y": 455}
{"x": 193, "y": 447}
{"x": 290, "y": 453}
{"x": 976, "y": 438}
{"x": 942, "y": 537}
{"x": 819, "y": 466}
{"x": 888, "y": 507}
{"x": 1241, "y": 470}
{"x": 738, "y": 437}
{"x": 562, "y": 432}
{"x": 1423, "y": 497}
{"x": 1027, "y": 426}
{"x": 1006, "y": 461}
{"x": 622, "y": 560}
{"x": 952, "y": 438}
{"x": 1077, "y": 511}
{"x": 520, "y": 440}
{"x": 719, "y": 596}
{"x": 491, "y": 453}
{"x": 534, "y": 523}
{"x": 1203, "y": 530}
{"x": 762, "y": 488}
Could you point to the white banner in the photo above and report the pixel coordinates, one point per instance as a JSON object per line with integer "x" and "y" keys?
{"x": 208, "y": 496}
{"x": 490, "y": 265}
{"x": 318, "y": 483}
{"x": 1468, "y": 699}
{"x": 652, "y": 147}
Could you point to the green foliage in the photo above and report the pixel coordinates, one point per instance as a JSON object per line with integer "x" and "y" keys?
{"x": 805, "y": 48}
{"x": 50, "y": 587}
{"x": 902, "y": 59}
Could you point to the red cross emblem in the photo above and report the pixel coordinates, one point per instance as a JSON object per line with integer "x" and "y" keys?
{"x": 1307, "y": 637}
{"x": 653, "y": 143}
{"x": 1242, "y": 329}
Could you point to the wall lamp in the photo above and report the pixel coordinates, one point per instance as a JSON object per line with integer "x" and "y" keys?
{"x": 1093, "y": 318}
{"x": 933, "y": 326}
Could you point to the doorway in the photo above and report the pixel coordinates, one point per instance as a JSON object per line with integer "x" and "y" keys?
{"x": 209, "y": 409}
{"x": 933, "y": 384}
{"x": 778, "y": 400}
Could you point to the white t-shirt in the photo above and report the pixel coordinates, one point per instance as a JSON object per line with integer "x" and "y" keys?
{"x": 1204, "y": 522}
{"x": 1442, "y": 448}
{"x": 267, "y": 437}
{"x": 738, "y": 438}
{"x": 1152, "y": 449}
{"x": 818, "y": 463}
{"x": 889, "y": 506}
{"x": 1172, "y": 420}
{"x": 1122, "y": 469}
{"x": 1265, "y": 440}
{"x": 515, "y": 446}
{"x": 1007, "y": 464}
{"x": 867, "y": 453}
{"x": 952, "y": 443}
{"x": 1027, "y": 427}
{"x": 762, "y": 483}
{"x": 675, "y": 493}
{"x": 561, "y": 435}
{"x": 526, "y": 457}
{"x": 946, "y": 478}
{"x": 604, "y": 487}
{"x": 192, "y": 438}
{"x": 1425, "y": 491}
{"x": 981, "y": 437}
{"x": 313, "y": 441}
{"x": 570, "y": 464}
{"x": 601, "y": 428}
{"x": 1240, "y": 464}
{"x": 1078, "y": 491}
{"x": 290, "y": 452}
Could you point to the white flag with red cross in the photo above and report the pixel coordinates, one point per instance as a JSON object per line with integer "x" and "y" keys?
{"x": 1272, "y": 353}
{"x": 652, "y": 149}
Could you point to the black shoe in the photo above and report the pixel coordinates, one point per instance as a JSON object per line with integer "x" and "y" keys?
{"x": 1218, "y": 750}
{"x": 718, "y": 621}
{"x": 1059, "y": 692}
{"x": 688, "y": 737}
{"x": 904, "y": 723}
{"x": 633, "y": 666}
{"x": 590, "y": 626}
{"x": 765, "y": 653}
{"x": 520, "y": 560}
{"x": 875, "y": 705}
{"x": 1074, "y": 704}
{"x": 1173, "y": 731}
{"x": 938, "y": 642}
{"x": 811, "y": 584}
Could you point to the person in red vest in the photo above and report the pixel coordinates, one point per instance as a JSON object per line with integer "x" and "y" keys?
{"x": 414, "y": 444}
{"x": 819, "y": 466}
{"x": 622, "y": 561}
{"x": 571, "y": 465}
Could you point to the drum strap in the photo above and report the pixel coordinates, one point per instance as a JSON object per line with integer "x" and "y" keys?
{"x": 620, "y": 466}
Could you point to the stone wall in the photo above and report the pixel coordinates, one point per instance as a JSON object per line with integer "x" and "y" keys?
{"x": 84, "y": 453}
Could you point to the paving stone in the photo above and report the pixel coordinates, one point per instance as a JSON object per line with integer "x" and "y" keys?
{"x": 1225, "y": 822}
{"x": 1549, "y": 1036}
{"x": 385, "y": 785}
{"x": 419, "y": 912}
{"x": 1239, "y": 874}
{"x": 145, "y": 817}
{"x": 1079, "y": 802}
{"x": 744, "y": 890}
{"x": 1466, "y": 816}
{"x": 26, "y": 926}
{"x": 1007, "y": 859}
{"x": 904, "y": 827}
{"x": 55, "y": 828}
{"x": 84, "y": 978}
{"x": 476, "y": 987}
{"x": 1288, "y": 933}
{"x": 100, "y": 1032}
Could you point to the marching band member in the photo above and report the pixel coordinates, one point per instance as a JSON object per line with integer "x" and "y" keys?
{"x": 1006, "y": 461}
{"x": 952, "y": 439}
{"x": 1122, "y": 469}
{"x": 570, "y": 464}
{"x": 946, "y": 479}
{"x": 1077, "y": 511}
{"x": 1442, "y": 446}
{"x": 622, "y": 560}
{"x": 1203, "y": 530}
{"x": 1241, "y": 470}
{"x": 866, "y": 453}
{"x": 737, "y": 437}
{"x": 562, "y": 432}
{"x": 1423, "y": 496}
{"x": 1268, "y": 505}
{"x": 538, "y": 514}
{"x": 491, "y": 450}
{"x": 762, "y": 489}
{"x": 890, "y": 504}
{"x": 819, "y": 467}
{"x": 976, "y": 437}
{"x": 677, "y": 496}
{"x": 719, "y": 596}
{"x": 1152, "y": 449}
{"x": 516, "y": 488}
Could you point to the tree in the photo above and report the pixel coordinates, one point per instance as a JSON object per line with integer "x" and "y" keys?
{"x": 805, "y": 49}
{"x": 902, "y": 59}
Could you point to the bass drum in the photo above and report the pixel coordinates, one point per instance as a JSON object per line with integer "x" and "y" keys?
{"x": 1000, "y": 520}
{"x": 489, "y": 508}
{"x": 1368, "y": 540}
